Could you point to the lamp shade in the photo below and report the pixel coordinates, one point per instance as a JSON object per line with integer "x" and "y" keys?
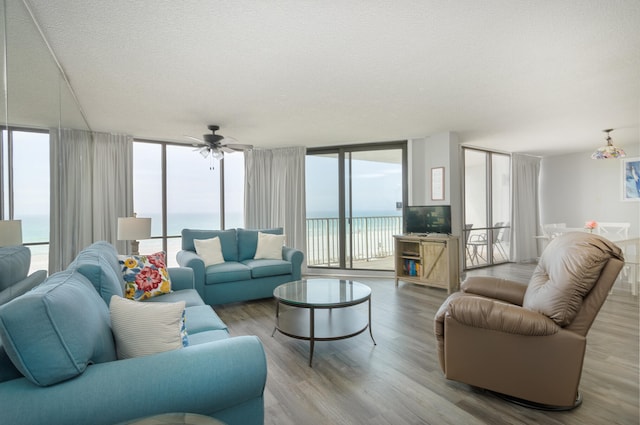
{"x": 10, "y": 232}
{"x": 133, "y": 228}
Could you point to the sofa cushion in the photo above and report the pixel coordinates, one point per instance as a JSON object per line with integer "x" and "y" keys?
{"x": 145, "y": 276}
{"x": 264, "y": 268}
{"x": 208, "y": 336}
{"x": 53, "y": 332}
{"x": 566, "y": 272}
{"x": 210, "y": 250}
{"x": 99, "y": 263}
{"x": 142, "y": 329}
{"x": 229, "y": 271}
{"x": 201, "y": 319}
{"x": 14, "y": 265}
{"x": 269, "y": 246}
{"x": 248, "y": 241}
{"x": 189, "y": 296}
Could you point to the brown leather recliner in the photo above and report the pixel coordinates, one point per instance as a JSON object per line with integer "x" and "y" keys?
{"x": 528, "y": 341}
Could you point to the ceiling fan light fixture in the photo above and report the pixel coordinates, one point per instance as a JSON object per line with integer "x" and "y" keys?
{"x": 609, "y": 150}
{"x": 216, "y": 145}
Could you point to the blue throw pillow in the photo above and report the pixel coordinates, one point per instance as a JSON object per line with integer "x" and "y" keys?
{"x": 53, "y": 332}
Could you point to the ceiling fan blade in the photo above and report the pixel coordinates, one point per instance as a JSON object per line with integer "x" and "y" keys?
{"x": 225, "y": 140}
{"x": 227, "y": 149}
{"x": 239, "y": 147}
{"x": 200, "y": 141}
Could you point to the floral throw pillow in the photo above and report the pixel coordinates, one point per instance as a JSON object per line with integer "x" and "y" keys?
{"x": 145, "y": 276}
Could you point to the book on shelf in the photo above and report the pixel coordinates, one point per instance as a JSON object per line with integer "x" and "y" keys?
{"x": 411, "y": 267}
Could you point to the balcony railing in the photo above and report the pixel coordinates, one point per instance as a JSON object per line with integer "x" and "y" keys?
{"x": 370, "y": 238}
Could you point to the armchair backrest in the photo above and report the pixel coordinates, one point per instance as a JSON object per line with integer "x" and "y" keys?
{"x": 14, "y": 265}
{"x": 572, "y": 279}
{"x": 596, "y": 297}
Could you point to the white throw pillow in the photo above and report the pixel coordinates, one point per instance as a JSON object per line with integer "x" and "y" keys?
{"x": 144, "y": 328}
{"x": 269, "y": 246}
{"x": 210, "y": 250}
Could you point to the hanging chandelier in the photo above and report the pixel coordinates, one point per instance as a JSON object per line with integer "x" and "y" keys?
{"x": 608, "y": 151}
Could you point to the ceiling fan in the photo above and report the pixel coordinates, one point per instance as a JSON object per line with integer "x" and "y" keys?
{"x": 217, "y": 144}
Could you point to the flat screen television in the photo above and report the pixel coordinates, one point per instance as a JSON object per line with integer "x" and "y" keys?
{"x": 428, "y": 219}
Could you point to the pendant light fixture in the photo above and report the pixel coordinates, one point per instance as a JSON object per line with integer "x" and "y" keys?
{"x": 608, "y": 151}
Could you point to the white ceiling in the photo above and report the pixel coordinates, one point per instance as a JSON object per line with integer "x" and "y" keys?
{"x": 540, "y": 77}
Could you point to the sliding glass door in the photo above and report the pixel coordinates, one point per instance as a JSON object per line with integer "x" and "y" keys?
{"x": 487, "y": 207}
{"x": 354, "y": 205}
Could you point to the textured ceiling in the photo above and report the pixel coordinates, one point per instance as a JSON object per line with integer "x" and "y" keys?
{"x": 540, "y": 77}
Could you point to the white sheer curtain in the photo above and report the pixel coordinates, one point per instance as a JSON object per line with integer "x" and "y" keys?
{"x": 91, "y": 179}
{"x": 71, "y": 195}
{"x": 526, "y": 177}
{"x": 112, "y": 185}
{"x": 275, "y": 192}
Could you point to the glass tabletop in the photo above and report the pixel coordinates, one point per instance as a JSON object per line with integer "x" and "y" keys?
{"x": 322, "y": 292}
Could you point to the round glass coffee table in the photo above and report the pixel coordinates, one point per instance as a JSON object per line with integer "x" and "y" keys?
{"x": 321, "y": 310}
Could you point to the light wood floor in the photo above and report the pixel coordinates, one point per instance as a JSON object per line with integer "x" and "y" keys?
{"x": 399, "y": 381}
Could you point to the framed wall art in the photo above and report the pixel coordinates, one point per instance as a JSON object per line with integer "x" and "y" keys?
{"x": 631, "y": 179}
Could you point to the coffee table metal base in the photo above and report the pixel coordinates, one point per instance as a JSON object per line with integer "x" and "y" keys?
{"x": 321, "y": 324}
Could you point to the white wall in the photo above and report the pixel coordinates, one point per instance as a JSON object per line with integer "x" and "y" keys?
{"x": 425, "y": 154}
{"x": 439, "y": 150}
{"x": 575, "y": 188}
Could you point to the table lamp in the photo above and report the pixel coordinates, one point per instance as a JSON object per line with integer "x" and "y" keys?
{"x": 132, "y": 229}
{"x": 10, "y": 232}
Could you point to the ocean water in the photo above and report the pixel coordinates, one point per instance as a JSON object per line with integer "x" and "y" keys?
{"x": 371, "y": 234}
{"x": 35, "y": 228}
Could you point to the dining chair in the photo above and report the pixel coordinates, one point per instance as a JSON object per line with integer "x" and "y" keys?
{"x": 613, "y": 231}
{"x": 479, "y": 242}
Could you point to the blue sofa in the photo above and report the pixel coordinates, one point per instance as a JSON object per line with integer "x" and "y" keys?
{"x": 58, "y": 361}
{"x": 240, "y": 277}
{"x": 15, "y": 279}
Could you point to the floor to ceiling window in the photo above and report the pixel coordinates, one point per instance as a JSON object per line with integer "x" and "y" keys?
{"x": 25, "y": 189}
{"x": 233, "y": 185}
{"x": 178, "y": 189}
{"x": 354, "y": 198}
{"x": 487, "y": 207}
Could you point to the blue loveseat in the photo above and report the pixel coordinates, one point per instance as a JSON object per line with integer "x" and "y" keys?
{"x": 240, "y": 277}
{"x": 58, "y": 361}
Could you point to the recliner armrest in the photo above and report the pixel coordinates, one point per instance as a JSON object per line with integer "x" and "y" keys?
{"x": 495, "y": 288}
{"x": 484, "y": 313}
